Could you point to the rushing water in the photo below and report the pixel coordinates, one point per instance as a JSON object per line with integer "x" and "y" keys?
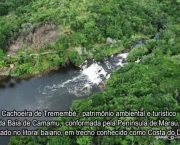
{"x": 56, "y": 90}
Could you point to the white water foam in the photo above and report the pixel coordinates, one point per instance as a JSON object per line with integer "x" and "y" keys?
{"x": 83, "y": 66}
{"x": 79, "y": 92}
{"x": 138, "y": 60}
{"x": 108, "y": 65}
{"x": 108, "y": 76}
{"x": 81, "y": 85}
{"x": 122, "y": 57}
{"x": 94, "y": 72}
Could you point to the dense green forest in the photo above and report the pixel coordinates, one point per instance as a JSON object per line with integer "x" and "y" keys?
{"x": 153, "y": 84}
{"x": 84, "y": 24}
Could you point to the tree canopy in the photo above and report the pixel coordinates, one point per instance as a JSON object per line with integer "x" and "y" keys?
{"x": 153, "y": 84}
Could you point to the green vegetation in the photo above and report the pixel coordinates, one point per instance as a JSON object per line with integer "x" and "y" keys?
{"x": 85, "y": 24}
{"x": 152, "y": 84}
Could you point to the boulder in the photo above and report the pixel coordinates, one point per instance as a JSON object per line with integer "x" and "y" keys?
{"x": 5, "y": 71}
{"x": 110, "y": 41}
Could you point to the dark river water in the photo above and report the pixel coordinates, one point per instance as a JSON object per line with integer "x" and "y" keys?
{"x": 54, "y": 91}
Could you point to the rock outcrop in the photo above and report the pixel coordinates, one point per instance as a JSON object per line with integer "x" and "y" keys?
{"x": 5, "y": 71}
{"x": 37, "y": 36}
{"x": 110, "y": 41}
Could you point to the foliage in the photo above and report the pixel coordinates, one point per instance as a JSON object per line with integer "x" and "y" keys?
{"x": 1, "y": 54}
{"x": 147, "y": 86}
{"x": 150, "y": 85}
{"x": 3, "y": 8}
{"x": 2, "y": 42}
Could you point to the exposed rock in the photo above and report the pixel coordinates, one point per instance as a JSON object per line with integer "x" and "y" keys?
{"x": 110, "y": 41}
{"x": 5, "y": 71}
{"x": 85, "y": 51}
{"x": 102, "y": 86}
{"x": 11, "y": 65}
{"x": 79, "y": 50}
{"x": 123, "y": 60}
{"x": 68, "y": 62}
{"x": 38, "y": 36}
{"x": 26, "y": 26}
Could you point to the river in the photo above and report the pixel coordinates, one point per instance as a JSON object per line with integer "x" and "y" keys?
{"x": 54, "y": 91}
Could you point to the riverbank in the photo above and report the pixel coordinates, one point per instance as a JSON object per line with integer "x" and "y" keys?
{"x": 68, "y": 57}
{"x": 56, "y": 90}
{"x": 75, "y": 37}
{"x": 94, "y": 29}
{"x": 98, "y": 53}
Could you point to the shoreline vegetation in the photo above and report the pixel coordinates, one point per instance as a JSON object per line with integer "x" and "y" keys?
{"x": 78, "y": 30}
{"x": 93, "y": 33}
{"x": 7, "y": 70}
